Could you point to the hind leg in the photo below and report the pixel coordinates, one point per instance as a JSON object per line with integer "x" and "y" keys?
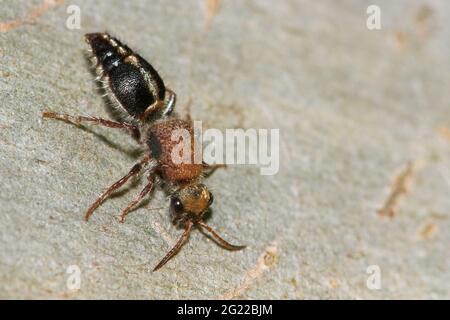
{"x": 169, "y": 102}
{"x": 77, "y": 120}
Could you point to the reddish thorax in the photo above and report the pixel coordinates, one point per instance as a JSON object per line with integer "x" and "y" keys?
{"x": 162, "y": 148}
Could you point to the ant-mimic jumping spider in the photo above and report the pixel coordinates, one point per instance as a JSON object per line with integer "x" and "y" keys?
{"x": 137, "y": 90}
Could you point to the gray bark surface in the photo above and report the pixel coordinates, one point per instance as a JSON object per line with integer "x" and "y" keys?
{"x": 364, "y": 119}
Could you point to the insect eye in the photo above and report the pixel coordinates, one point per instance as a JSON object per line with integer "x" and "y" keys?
{"x": 211, "y": 199}
{"x": 176, "y": 205}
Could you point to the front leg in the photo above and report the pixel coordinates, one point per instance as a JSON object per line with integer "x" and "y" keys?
{"x": 184, "y": 237}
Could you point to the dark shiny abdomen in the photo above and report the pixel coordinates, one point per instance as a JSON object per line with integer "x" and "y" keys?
{"x": 134, "y": 82}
